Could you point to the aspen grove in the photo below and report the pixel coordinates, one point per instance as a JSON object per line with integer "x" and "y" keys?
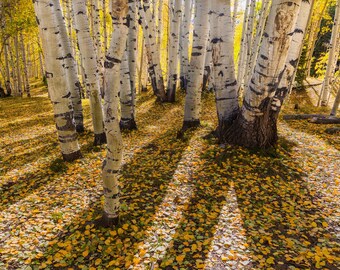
{"x": 144, "y": 79}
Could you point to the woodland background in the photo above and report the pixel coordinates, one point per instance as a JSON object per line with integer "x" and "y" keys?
{"x": 187, "y": 199}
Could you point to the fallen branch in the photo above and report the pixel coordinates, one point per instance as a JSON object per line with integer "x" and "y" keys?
{"x": 328, "y": 120}
{"x": 333, "y": 130}
{"x": 302, "y": 116}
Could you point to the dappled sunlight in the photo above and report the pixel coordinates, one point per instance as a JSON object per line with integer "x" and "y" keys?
{"x": 169, "y": 212}
{"x": 229, "y": 247}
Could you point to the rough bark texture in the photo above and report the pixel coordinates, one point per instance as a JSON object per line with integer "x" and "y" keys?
{"x": 224, "y": 78}
{"x": 153, "y": 54}
{"x": 255, "y": 126}
{"x": 89, "y": 56}
{"x": 175, "y": 15}
{"x": 71, "y": 68}
{"x": 112, "y": 162}
{"x": 55, "y": 73}
{"x": 185, "y": 35}
{"x": 127, "y": 100}
{"x": 294, "y": 52}
{"x": 192, "y": 107}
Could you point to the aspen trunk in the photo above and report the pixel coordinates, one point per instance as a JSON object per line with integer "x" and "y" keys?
{"x": 73, "y": 83}
{"x": 249, "y": 45}
{"x": 185, "y": 35}
{"x": 235, "y": 14}
{"x": 24, "y": 60}
{"x": 127, "y": 98}
{"x": 175, "y": 16}
{"x": 294, "y": 52}
{"x": 55, "y": 74}
{"x": 114, "y": 153}
{"x": 336, "y": 104}
{"x": 18, "y": 70}
{"x": 208, "y": 63}
{"x": 325, "y": 92}
{"x": 153, "y": 54}
{"x": 192, "y": 107}
{"x": 242, "y": 53}
{"x": 132, "y": 47}
{"x": 257, "y": 41}
{"x": 89, "y": 56}
{"x": 224, "y": 78}
{"x": 255, "y": 125}
{"x": 8, "y": 75}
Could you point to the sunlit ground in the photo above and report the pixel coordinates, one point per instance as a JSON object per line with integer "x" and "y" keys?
{"x": 187, "y": 203}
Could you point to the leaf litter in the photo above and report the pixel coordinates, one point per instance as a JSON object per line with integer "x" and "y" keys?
{"x": 186, "y": 203}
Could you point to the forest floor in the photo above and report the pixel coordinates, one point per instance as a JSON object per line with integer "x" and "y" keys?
{"x": 186, "y": 203}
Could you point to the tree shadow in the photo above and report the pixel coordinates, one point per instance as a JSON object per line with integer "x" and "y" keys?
{"x": 144, "y": 181}
{"x": 282, "y": 214}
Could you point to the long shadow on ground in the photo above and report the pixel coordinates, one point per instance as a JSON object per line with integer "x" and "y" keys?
{"x": 282, "y": 215}
{"x": 144, "y": 184}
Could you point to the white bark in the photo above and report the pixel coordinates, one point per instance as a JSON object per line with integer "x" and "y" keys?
{"x": 55, "y": 73}
{"x": 132, "y": 47}
{"x": 263, "y": 14}
{"x": 224, "y": 78}
{"x": 89, "y": 57}
{"x": 294, "y": 52}
{"x": 235, "y": 8}
{"x": 271, "y": 61}
{"x": 175, "y": 15}
{"x": 24, "y": 60}
{"x": 332, "y": 53}
{"x": 152, "y": 50}
{"x": 243, "y": 49}
{"x": 249, "y": 45}
{"x": 336, "y": 103}
{"x": 185, "y": 37}
{"x": 127, "y": 98}
{"x": 71, "y": 68}
{"x": 114, "y": 153}
{"x": 195, "y": 76}
{"x": 17, "y": 65}
{"x": 207, "y": 77}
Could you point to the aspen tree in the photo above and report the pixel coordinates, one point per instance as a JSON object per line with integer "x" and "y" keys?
{"x": 89, "y": 56}
{"x": 224, "y": 77}
{"x": 24, "y": 60}
{"x": 255, "y": 125}
{"x": 55, "y": 74}
{"x": 185, "y": 36}
{"x": 132, "y": 47}
{"x": 112, "y": 162}
{"x": 192, "y": 107}
{"x": 127, "y": 98}
{"x": 287, "y": 77}
{"x": 175, "y": 15}
{"x": 71, "y": 68}
{"x": 243, "y": 49}
{"x": 325, "y": 92}
{"x": 153, "y": 54}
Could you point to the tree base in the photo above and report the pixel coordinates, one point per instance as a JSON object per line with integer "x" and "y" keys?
{"x": 106, "y": 222}
{"x": 73, "y": 156}
{"x": 188, "y": 125}
{"x": 99, "y": 139}
{"x": 80, "y": 128}
{"x": 260, "y": 134}
{"x": 128, "y": 124}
